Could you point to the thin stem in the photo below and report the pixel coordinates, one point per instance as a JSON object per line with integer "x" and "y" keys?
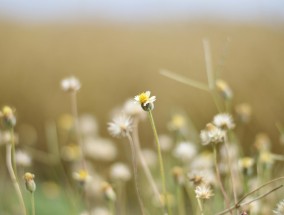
{"x": 13, "y": 152}
{"x": 236, "y": 206}
{"x": 208, "y": 63}
{"x": 33, "y": 203}
{"x": 13, "y": 177}
{"x": 134, "y": 164}
{"x": 77, "y": 127}
{"x": 200, "y": 206}
{"x": 219, "y": 178}
{"x": 162, "y": 171}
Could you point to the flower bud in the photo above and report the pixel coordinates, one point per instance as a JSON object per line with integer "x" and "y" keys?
{"x": 29, "y": 181}
{"x": 8, "y": 117}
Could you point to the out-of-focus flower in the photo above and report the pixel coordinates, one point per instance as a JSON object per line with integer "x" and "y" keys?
{"x": 166, "y": 142}
{"x": 108, "y": 191}
{"x": 146, "y": 102}
{"x": 120, "y": 126}
{"x": 203, "y": 192}
{"x": 262, "y": 142}
{"x": 185, "y": 151}
{"x": 178, "y": 175}
{"x": 177, "y": 123}
{"x": 88, "y": 125}
{"x": 66, "y": 122}
{"x": 22, "y": 158}
{"x": 133, "y": 109}
{"x": 70, "y": 84}
{"x": 279, "y": 210}
{"x": 7, "y": 116}
{"x": 99, "y": 149}
{"x": 150, "y": 157}
{"x": 198, "y": 177}
{"x": 50, "y": 189}
{"x": 203, "y": 161}
{"x": 120, "y": 172}
{"x": 243, "y": 112}
{"x": 246, "y": 165}
{"x": 71, "y": 152}
{"x": 212, "y": 134}
{"x": 29, "y": 181}
{"x": 100, "y": 211}
{"x": 223, "y": 89}
{"x": 224, "y": 121}
{"x": 266, "y": 158}
{"x": 82, "y": 176}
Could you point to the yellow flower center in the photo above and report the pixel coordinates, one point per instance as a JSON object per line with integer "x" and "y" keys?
{"x": 29, "y": 176}
{"x": 143, "y": 98}
{"x": 7, "y": 111}
{"x": 83, "y": 174}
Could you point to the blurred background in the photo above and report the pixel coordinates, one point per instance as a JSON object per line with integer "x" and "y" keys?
{"x": 117, "y": 48}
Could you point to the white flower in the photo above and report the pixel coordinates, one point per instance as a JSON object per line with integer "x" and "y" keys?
{"x": 279, "y": 210}
{"x": 185, "y": 151}
{"x": 120, "y": 172}
{"x": 100, "y": 211}
{"x": 166, "y": 142}
{"x": 22, "y": 158}
{"x": 70, "y": 84}
{"x": 203, "y": 192}
{"x": 120, "y": 126}
{"x": 145, "y": 100}
{"x": 212, "y": 134}
{"x": 88, "y": 124}
{"x": 223, "y": 121}
{"x": 99, "y": 149}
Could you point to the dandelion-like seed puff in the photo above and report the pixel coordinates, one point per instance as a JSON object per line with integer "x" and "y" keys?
{"x": 120, "y": 126}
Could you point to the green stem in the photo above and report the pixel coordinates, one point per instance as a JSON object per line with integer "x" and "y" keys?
{"x": 13, "y": 177}
{"x": 111, "y": 207}
{"x": 180, "y": 201}
{"x": 33, "y": 203}
{"x": 13, "y": 152}
{"x": 162, "y": 171}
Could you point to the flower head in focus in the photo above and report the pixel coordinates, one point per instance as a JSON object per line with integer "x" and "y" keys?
{"x": 146, "y": 102}
{"x": 29, "y": 181}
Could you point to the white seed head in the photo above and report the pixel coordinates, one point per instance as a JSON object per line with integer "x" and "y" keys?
{"x": 22, "y": 158}
{"x": 212, "y": 134}
{"x": 279, "y": 210}
{"x": 224, "y": 121}
{"x": 166, "y": 142}
{"x": 88, "y": 125}
{"x": 203, "y": 192}
{"x": 133, "y": 109}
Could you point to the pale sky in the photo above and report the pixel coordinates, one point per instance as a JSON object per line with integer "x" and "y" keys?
{"x": 269, "y": 11}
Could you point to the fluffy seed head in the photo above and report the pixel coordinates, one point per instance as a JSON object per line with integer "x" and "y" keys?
{"x": 279, "y": 210}
{"x": 70, "y": 84}
{"x": 120, "y": 126}
{"x": 224, "y": 121}
{"x": 203, "y": 192}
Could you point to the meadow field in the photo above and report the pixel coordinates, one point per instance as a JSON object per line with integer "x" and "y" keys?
{"x": 114, "y": 63}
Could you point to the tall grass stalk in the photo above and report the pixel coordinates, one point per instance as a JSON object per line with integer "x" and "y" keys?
{"x": 33, "y": 203}
{"x": 162, "y": 171}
